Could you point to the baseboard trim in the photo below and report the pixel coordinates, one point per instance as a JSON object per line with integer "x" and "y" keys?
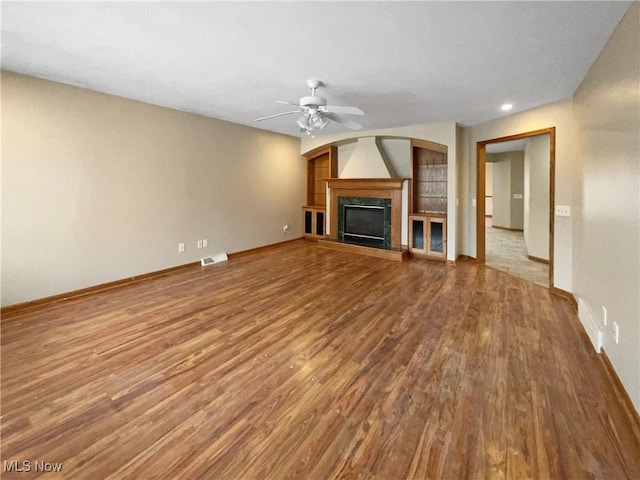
{"x": 263, "y": 248}
{"x": 621, "y": 394}
{"x": 507, "y": 228}
{"x": 538, "y": 259}
{"x": 61, "y": 297}
{"x": 465, "y": 258}
{"x": 590, "y": 326}
{"x": 568, "y": 295}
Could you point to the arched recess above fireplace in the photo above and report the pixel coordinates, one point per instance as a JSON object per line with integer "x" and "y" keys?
{"x": 381, "y": 157}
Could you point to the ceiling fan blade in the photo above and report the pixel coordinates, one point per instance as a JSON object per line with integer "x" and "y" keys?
{"x": 343, "y": 121}
{"x": 277, "y": 115}
{"x": 287, "y": 103}
{"x": 344, "y": 110}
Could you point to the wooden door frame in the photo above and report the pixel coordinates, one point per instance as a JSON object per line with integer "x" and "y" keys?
{"x": 481, "y": 161}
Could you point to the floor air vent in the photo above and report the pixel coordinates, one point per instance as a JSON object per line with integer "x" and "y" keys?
{"x": 221, "y": 257}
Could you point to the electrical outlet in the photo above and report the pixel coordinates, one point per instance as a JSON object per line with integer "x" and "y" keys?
{"x": 285, "y": 228}
{"x": 205, "y": 242}
{"x": 616, "y": 332}
{"x": 604, "y": 315}
{"x": 199, "y": 243}
{"x": 180, "y": 247}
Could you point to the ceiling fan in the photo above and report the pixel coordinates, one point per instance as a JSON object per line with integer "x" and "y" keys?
{"x": 316, "y": 114}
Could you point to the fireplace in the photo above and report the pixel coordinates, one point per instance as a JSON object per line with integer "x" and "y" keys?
{"x": 363, "y": 213}
{"x": 365, "y": 221}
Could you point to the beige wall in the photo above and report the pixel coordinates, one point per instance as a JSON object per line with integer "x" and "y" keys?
{"x": 501, "y": 191}
{"x": 488, "y": 189}
{"x": 97, "y": 188}
{"x": 397, "y": 150}
{"x": 606, "y": 238}
{"x": 536, "y": 196}
{"x": 507, "y": 171}
{"x": 560, "y": 115}
{"x": 517, "y": 187}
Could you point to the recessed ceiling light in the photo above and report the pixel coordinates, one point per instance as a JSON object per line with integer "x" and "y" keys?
{"x": 506, "y": 107}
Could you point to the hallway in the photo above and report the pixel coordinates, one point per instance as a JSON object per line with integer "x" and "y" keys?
{"x": 506, "y": 251}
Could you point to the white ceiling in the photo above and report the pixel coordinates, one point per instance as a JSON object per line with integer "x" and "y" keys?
{"x": 402, "y": 63}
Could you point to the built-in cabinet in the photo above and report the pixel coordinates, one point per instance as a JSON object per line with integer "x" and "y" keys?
{"x": 428, "y": 200}
{"x": 313, "y": 221}
{"x": 428, "y": 236}
{"x": 322, "y": 164}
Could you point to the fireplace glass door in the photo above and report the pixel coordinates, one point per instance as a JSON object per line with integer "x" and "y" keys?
{"x": 365, "y": 221}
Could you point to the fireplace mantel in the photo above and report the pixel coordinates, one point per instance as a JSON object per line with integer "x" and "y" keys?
{"x": 366, "y": 183}
{"x": 390, "y": 188}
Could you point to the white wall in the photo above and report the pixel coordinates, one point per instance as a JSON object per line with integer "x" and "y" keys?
{"x": 606, "y": 238}
{"x": 444, "y": 133}
{"x": 97, "y": 188}
{"x": 536, "y": 196}
{"x": 560, "y": 115}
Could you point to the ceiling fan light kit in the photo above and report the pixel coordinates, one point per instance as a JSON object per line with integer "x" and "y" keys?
{"x": 316, "y": 114}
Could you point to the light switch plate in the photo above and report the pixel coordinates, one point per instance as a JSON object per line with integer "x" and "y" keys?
{"x": 563, "y": 211}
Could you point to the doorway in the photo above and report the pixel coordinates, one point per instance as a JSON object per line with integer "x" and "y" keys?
{"x": 518, "y": 198}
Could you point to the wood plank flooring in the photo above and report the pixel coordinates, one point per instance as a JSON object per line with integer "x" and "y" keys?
{"x": 306, "y": 363}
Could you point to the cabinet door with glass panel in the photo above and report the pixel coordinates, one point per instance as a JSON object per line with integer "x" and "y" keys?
{"x": 428, "y": 236}
{"x": 313, "y": 222}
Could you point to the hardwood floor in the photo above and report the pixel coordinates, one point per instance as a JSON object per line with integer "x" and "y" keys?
{"x": 302, "y": 362}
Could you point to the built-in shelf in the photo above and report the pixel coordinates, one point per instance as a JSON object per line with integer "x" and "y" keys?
{"x": 321, "y": 165}
{"x": 429, "y": 177}
{"x": 428, "y": 200}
